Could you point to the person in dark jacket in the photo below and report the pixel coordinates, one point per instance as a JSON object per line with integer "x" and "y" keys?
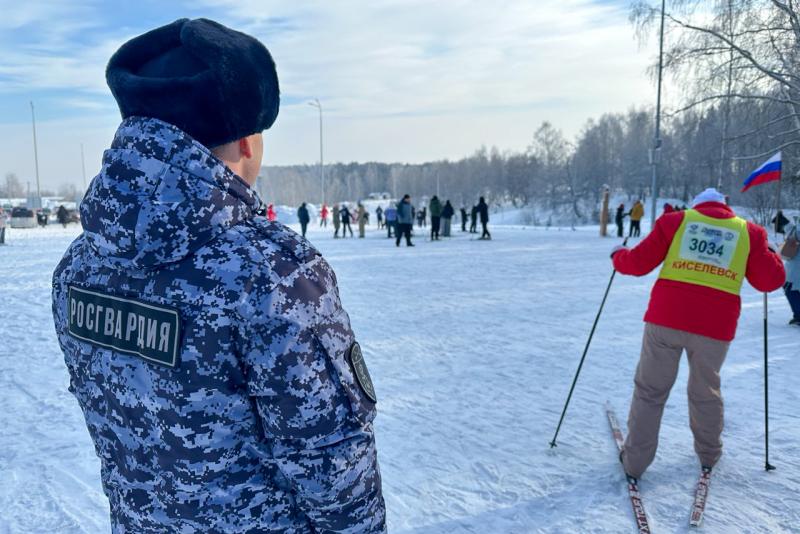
{"x": 2, "y": 227}
{"x": 379, "y": 216}
{"x": 346, "y": 218}
{"x": 779, "y": 222}
{"x": 218, "y": 374}
{"x": 619, "y": 219}
{"x": 405, "y": 220}
{"x": 435, "y": 207}
{"x": 304, "y": 218}
{"x": 463, "y": 219}
{"x": 62, "y": 215}
{"x": 41, "y": 217}
{"x": 447, "y": 217}
{"x": 483, "y": 211}
{"x": 473, "y": 220}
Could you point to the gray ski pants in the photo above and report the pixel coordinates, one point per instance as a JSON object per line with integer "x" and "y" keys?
{"x": 658, "y": 367}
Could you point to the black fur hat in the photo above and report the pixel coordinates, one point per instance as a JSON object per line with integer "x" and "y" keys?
{"x": 212, "y": 82}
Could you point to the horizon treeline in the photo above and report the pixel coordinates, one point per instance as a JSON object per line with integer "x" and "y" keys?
{"x": 611, "y": 151}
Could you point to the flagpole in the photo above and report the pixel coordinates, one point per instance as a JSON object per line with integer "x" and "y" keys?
{"x": 777, "y": 209}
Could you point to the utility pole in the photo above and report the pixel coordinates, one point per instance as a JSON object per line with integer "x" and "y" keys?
{"x": 727, "y": 103}
{"x": 36, "y": 158}
{"x": 655, "y": 152}
{"x": 317, "y": 105}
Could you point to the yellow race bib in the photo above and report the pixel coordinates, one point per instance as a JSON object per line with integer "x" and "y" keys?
{"x": 709, "y": 252}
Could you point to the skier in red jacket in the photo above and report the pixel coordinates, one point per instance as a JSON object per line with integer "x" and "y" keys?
{"x": 323, "y": 216}
{"x": 706, "y": 253}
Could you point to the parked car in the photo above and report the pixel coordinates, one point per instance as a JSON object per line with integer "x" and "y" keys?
{"x": 22, "y": 218}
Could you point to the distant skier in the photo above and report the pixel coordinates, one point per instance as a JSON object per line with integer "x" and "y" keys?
{"x": 2, "y": 227}
{"x": 447, "y": 218}
{"x": 323, "y": 216}
{"x": 636, "y": 214}
{"x": 41, "y": 217}
{"x": 405, "y": 220}
{"x": 463, "y": 218}
{"x": 473, "y": 220}
{"x": 271, "y": 215}
{"x": 435, "y": 207}
{"x": 705, "y": 254}
{"x": 337, "y": 221}
{"x": 361, "y": 217}
{"x": 483, "y": 210}
{"x": 391, "y": 220}
{"x": 792, "y": 286}
{"x": 619, "y": 218}
{"x": 779, "y": 222}
{"x": 62, "y": 216}
{"x": 346, "y": 217}
{"x": 379, "y": 217}
{"x": 304, "y": 218}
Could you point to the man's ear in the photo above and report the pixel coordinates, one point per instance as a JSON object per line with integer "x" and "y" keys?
{"x": 245, "y": 147}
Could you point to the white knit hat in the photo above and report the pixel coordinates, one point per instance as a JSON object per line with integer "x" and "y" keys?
{"x": 709, "y": 195}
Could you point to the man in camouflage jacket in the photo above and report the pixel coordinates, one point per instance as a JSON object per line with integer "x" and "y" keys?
{"x": 217, "y": 372}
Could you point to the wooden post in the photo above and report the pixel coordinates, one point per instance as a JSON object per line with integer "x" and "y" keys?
{"x": 604, "y": 215}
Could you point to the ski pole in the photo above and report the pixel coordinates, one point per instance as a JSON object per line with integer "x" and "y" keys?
{"x": 585, "y": 351}
{"x": 767, "y": 465}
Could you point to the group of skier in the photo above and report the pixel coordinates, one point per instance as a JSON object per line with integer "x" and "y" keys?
{"x": 398, "y": 218}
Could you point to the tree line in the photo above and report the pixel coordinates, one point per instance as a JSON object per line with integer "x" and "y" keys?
{"x": 610, "y": 151}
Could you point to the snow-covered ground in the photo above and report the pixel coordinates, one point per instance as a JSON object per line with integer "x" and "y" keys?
{"x": 472, "y": 346}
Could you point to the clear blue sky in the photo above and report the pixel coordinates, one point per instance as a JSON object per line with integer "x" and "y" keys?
{"x": 400, "y": 80}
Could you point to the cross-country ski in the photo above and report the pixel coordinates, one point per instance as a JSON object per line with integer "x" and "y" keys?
{"x": 700, "y": 497}
{"x": 639, "y": 513}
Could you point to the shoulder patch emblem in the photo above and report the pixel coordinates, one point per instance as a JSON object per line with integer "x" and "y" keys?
{"x": 359, "y": 366}
{"x": 125, "y": 325}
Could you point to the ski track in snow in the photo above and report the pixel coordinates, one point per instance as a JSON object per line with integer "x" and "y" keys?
{"x": 472, "y": 346}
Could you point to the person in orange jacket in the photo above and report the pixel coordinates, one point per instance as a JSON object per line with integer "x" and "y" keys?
{"x": 705, "y": 255}
{"x": 636, "y": 214}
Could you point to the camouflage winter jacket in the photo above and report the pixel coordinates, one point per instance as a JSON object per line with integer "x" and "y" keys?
{"x": 208, "y": 349}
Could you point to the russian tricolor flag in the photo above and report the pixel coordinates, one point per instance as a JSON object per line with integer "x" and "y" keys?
{"x": 770, "y": 171}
